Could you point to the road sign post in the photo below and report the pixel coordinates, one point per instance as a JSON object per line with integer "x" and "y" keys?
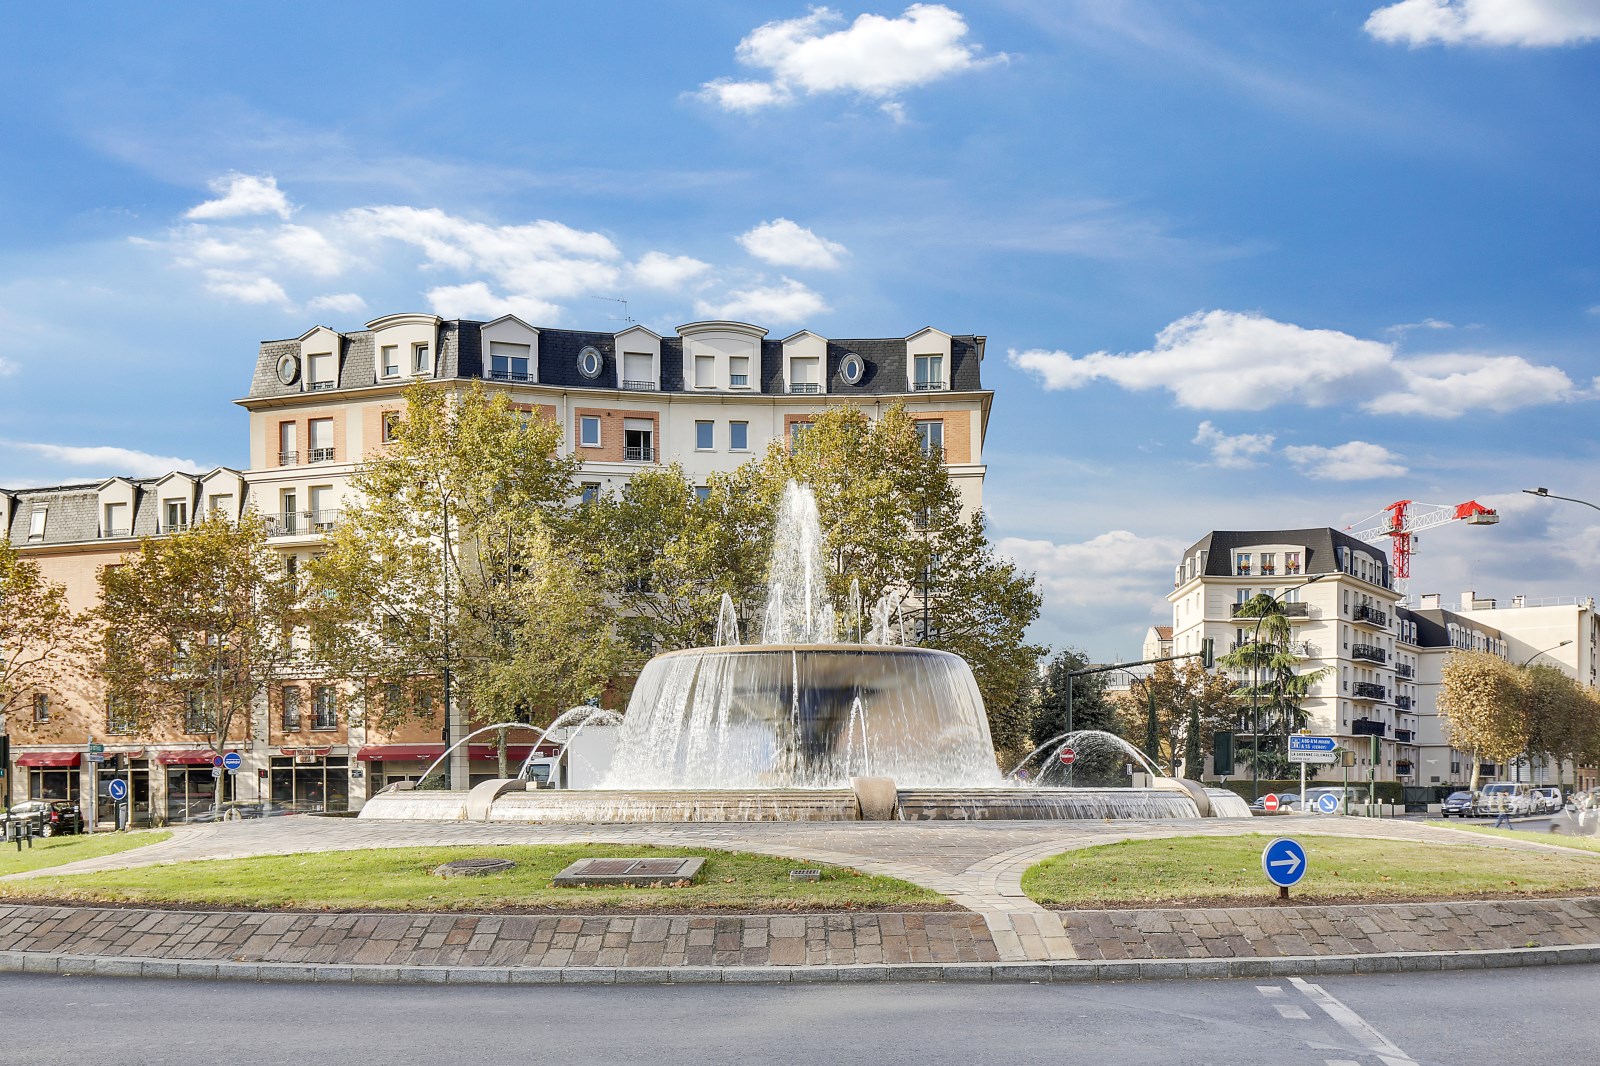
{"x": 232, "y": 761}
{"x": 117, "y": 789}
{"x": 1284, "y": 863}
{"x": 1067, "y": 756}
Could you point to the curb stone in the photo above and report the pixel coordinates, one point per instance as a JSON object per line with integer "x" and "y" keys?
{"x": 999, "y": 972}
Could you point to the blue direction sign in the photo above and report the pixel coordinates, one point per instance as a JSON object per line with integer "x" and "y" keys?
{"x": 1311, "y": 749}
{"x": 231, "y": 762}
{"x": 1327, "y": 803}
{"x": 117, "y": 789}
{"x": 1284, "y": 862}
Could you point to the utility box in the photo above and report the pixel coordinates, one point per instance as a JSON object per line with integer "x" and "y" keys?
{"x": 589, "y": 755}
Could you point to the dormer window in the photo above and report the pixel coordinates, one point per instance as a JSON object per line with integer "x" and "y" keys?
{"x": 739, "y": 372}
{"x": 509, "y": 362}
{"x": 177, "y": 516}
{"x": 36, "y": 522}
{"x": 705, "y": 371}
{"x": 116, "y": 523}
{"x": 391, "y": 360}
{"x": 929, "y": 373}
{"x": 322, "y": 372}
{"x": 805, "y": 374}
{"x": 421, "y": 361}
{"x": 1241, "y": 564}
{"x": 639, "y": 371}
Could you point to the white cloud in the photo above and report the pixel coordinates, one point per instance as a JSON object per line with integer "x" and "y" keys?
{"x": 1354, "y": 461}
{"x": 1446, "y": 386}
{"x": 1114, "y": 568}
{"x": 112, "y": 461}
{"x": 1524, "y": 23}
{"x": 782, "y": 242}
{"x": 7, "y": 366}
{"x": 476, "y": 300}
{"x": 658, "y": 270}
{"x": 1237, "y": 452}
{"x": 241, "y": 195}
{"x": 344, "y": 303}
{"x": 788, "y": 301}
{"x": 245, "y": 287}
{"x": 875, "y": 56}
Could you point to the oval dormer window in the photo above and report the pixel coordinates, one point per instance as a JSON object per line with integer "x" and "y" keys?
{"x": 852, "y": 369}
{"x": 288, "y": 369}
{"x": 590, "y": 362}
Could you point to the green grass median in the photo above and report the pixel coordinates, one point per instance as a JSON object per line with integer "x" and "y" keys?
{"x": 56, "y": 851}
{"x": 1226, "y": 871}
{"x": 402, "y": 879}
{"x": 1565, "y": 840}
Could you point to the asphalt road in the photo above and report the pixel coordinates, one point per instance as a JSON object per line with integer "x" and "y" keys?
{"x": 1463, "y": 1018}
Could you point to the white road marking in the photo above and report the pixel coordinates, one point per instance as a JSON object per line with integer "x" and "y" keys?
{"x": 1269, "y": 990}
{"x": 1342, "y": 1062}
{"x": 1290, "y": 1011}
{"x": 1354, "y": 1024}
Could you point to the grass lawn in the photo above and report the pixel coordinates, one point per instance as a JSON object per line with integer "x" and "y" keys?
{"x": 1566, "y": 840}
{"x": 1215, "y": 871}
{"x": 400, "y": 879}
{"x": 53, "y": 851}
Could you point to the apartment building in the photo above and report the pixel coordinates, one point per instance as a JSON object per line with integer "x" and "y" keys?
{"x": 1429, "y": 635}
{"x": 710, "y": 397}
{"x": 1339, "y": 599}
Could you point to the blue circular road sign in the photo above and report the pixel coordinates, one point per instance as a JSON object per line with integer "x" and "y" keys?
{"x": 1284, "y": 862}
{"x": 231, "y": 762}
{"x": 117, "y": 789}
{"x": 1327, "y": 803}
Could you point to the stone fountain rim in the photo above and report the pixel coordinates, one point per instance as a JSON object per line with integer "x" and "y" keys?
{"x": 835, "y": 649}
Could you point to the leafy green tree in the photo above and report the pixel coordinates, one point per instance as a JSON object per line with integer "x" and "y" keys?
{"x": 1481, "y": 702}
{"x": 1272, "y": 681}
{"x": 40, "y": 635}
{"x": 195, "y": 625}
{"x": 1091, "y": 708}
{"x": 1183, "y": 691}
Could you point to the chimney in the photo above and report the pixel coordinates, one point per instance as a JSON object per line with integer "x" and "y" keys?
{"x": 1518, "y": 600}
{"x": 1430, "y": 601}
{"x": 1469, "y": 600}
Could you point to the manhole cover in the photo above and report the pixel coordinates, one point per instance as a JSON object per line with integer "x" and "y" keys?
{"x": 629, "y": 872}
{"x": 473, "y": 867}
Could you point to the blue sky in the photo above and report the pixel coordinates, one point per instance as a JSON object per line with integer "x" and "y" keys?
{"x": 1242, "y": 265}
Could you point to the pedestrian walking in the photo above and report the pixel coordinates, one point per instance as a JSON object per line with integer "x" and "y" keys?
{"x": 1503, "y": 819}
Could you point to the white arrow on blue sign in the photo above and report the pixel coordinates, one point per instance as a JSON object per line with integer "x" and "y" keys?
{"x": 117, "y": 789}
{"x": 1284, "y": 862}
{"x": 1303, "y": 743}
{"x": 1327, "y": 803}
{"x": 231, "y": 762}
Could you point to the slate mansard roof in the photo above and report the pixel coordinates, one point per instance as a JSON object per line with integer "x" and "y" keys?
{"x": 460, "y": 357}
{"x": 1322, "y": 546}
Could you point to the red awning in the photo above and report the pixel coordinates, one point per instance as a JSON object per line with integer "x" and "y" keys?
{"x": 49, "y": 758}
{"x": 187, "y": 757}
{"x": 514, "y": 752}
{"x": 400, "y": 752}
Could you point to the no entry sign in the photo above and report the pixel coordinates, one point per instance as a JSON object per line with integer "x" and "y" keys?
{"x": 1269, "y": 803}
{"x": 1067, "y": 756}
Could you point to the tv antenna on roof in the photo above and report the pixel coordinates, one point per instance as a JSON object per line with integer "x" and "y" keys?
{"x": 627, "y": 318}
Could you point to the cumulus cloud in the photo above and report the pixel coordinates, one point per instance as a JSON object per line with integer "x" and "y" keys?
{"x": 476, "y": 300}
{"x": 112, "y": 461}
{"x": 344, "y": 303}
{"x": 1232, "y": 361}
{"x": 1117, "y": 567}
{"x": 1236, "y": 452}
{"x": 242, "y": 195}
{"x": 1353, "y": 461}
{"x": 787, "y": 301}
{"x": 658, "y": 270}
{"x": 1519, "y": 23}
{"x": 245, "y": 287}
{"x": 7, "y": 366}
{"x": 875, "y": 56}
{"x": 782, "y": 242}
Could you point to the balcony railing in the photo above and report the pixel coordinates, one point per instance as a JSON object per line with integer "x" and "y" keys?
{"x": 1404, "y": 735}
{"x": 174, "y": 527}
{"x": 1366, "y": 690}
{"x": 1405, "y": 670}
{"x": 319, "y": 455}
{"x": 642, "y": 454}
{"x": 928, "y": 386}
{"x": 1366, "y": 727}
{"x": 301, "y": 523}
{"x": 739, "y": 381}
{"x": 1371, "y": 616}
{"x": 1370, "y": 652}
{"x": 1290, "y": 610}
{"x": 1402, "y": 768}
{"x": 288, "y": 458}
{"x": 115, "y": 533}
{"x": 1403, "y": 702}
{"x": 641, "y": 386}
{"x": 1303, "y": 648}
{"x": 322, "y": 386}
{"x": 510, "y": 375}
{"x": 807, "y": 387}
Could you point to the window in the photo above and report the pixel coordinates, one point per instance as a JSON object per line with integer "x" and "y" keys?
{"x": 932, "y": 436}
{"x": 394, "y": 698}
{"x": 590, "y": 362}
{"x": 702, "y": 493}
{"x": 177, "y": 512}
{"x": 739, "y": 436}
{"x": 705, "y": 371}
{"x": 639, "y": 371}
{"x": 324, "y": 708}
{"x": 197, "y": 716}
{"x": 590, "y": 491}
{"x": 929, "y": 373}
{"x": 321, "y": 441}
{"x": 420, "y": 361}
{"x": 391, "y": 360}
{"x": 36, "y": 523}
{"x": 589, "y": 431}
{"x": 289, "y": 514}
{"x": 1269, "y": 563}
{"x": 120, "y": 718}
{"x": 291, "y": 564}
{"x": 286, "y": 446}
{"x": 390, "y": 426}
{"x": 41, "y": 707}
{"x": 322, "y": 372}
{"x": 509, "y": 362}
{"x": 1291, "y": 562}
{"x": 116, "y": 521}
{"x": 796, "y": 431}
{"x": 1241, "y": 564}
{"x": 805, "y": 375}
{"x": 739, "y": 372}
{"x": 852, "y": 369}
{"x": 705, "y": 436}
{"x": 638, "y": 440}
{"x": 222, "y": 506}
{"x": 291, "y": 709}
{"x": 323, "y": 514}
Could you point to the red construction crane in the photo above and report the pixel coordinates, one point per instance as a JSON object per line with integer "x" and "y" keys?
{"x": 1403, "y": 518}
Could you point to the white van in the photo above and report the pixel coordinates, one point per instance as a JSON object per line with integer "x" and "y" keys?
{"x": 1505, "y": 797}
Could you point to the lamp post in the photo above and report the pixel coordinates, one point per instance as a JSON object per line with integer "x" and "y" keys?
{"x": 1536, "y": 654}
{"x": 1529, "y": 756}
{"x": 1255, "y": 688}
{"x": 1547, "y": 494}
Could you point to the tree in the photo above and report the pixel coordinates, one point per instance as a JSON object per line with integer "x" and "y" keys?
{"x": 40, "y": 634}
{"x": 453, "y": 564}
{"x": 1481, "y": 702}
{"x": 1190, "y": 702}
{"x": 1273, "y": 682}
{"x": 195, "y": 626}
{"x": 1091, "y": 709}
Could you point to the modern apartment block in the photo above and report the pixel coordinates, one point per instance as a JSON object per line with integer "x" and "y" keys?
{"x": 1338, "y": 596}
{"x": 1429, "y": 635}
{"x": 710, "y": 397}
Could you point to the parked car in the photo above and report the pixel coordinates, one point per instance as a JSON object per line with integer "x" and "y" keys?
{"x": 1313, "y": 795}
{"x": 1458, "y": 805}
{"x": 1546, "y": 800}
{"x": 1287, "y": 801}
{"x": 238, "y": 811}
{"x": 1504, "y": 797}
{"x": 48, "y": 817}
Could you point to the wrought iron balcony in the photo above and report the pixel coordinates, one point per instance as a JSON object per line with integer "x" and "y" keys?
{"x": 510, "y": 375}
{"x": 1303, "y": 648}
{"x": 642, "y": 454}
{"x": 115, "y": 533}
{"x": 288, "y": 458}
{"x": 928, "y": 386}
{"x": 807, "y": 387}
{"x": 641, "y": 386}
{"x": 1289, "y": 610}
{"x": 1370, "y": 615}
{"x": 1404, "y": 735}
{"x": 1405, "y": 670}
{"x": 1403, "y": 702}
{"x": 322, "y": 386}
{"x": 319, "y": 455}
{"x": 1366, "y": 727}
{"x": 301, "y": 523}
{"x": 738, "y": 381}
{"x": 1402, "y": 768}
{"x": 1366, "y": 690}
{"x": 1369, "y": 652}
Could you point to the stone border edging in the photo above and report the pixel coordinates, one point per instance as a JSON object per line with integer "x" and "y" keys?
{"x": 1003, "y": 972}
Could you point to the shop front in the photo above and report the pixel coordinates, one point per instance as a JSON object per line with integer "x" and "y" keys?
{"x": 52, "y": 775}
{"x": 310, "y": 779}
{"x": 194, "y": 785}
{"x": 133, "y": 768}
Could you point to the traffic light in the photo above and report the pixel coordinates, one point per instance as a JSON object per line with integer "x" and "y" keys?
{"x": 5, "y": 755}
{"x": 1222, "y": 752}
{"x": 1208, "y": 653}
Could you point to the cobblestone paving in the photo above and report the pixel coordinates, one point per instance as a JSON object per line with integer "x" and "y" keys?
{"x": 978, "y": 865}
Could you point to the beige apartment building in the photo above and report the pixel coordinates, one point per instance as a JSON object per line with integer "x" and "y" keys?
{"x": 710, "y": 397}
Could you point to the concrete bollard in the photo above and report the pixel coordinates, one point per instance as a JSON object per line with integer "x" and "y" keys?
{"x": 877, "y": 798}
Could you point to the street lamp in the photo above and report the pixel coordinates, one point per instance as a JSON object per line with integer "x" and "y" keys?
{"x": 1547, "y": 494}
{"x": 1536, "y": 654}
{"x": 1524, "y": 666}
{"x": 1255, "y": 689}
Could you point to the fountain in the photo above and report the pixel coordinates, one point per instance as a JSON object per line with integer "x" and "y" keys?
{"x": 804, "y": 724}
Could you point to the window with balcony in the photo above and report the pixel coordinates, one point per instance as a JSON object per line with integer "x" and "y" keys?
{"x": 738, "y": 436}
{"x": 287, "y": 453}
{"x": 928, "y": 373}
{"x": 638, "y": 440}
{"x": 291, "y": 709}
{"x": 639, "y": 371}
{"x": 117, "y": 522}
{"x": 177, "y": 516}
{"x": 288, "y": 515}
{"x": 739, "y": 372}
{"x": 805, "y": 374}
{"x": 510, "y": 362}
{"x": 322, "y": 372}
{"x": 589, "y": 431}
{"x": 705, "y": 436}
{"x": 199, "y": 715}
{"x": 321, "y": 450}
{"x": 931, "y": 437}
{"x": 324, "y": 516}
{"x": 705, "y": 371}
{"x": 1269, "y": 563}
{"x": 221, "y": 506}
{"x": 325, "y": 707}
{"x": 1291, "y": 562}
{"x": 1241, "y": 564}
{"x": 390, "y": 360}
